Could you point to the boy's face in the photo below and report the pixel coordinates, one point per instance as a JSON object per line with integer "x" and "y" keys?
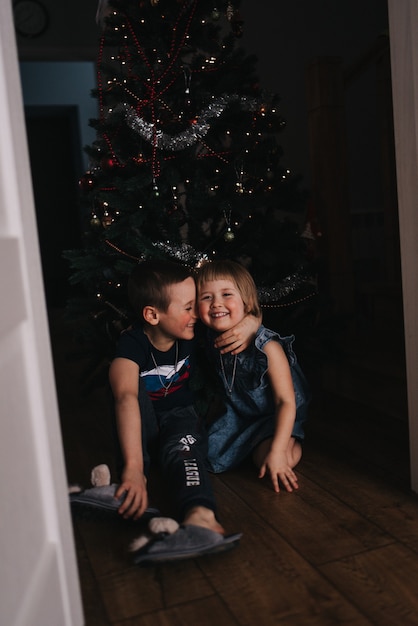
{"x": 179, "y": 319}
{"x": 220, "y": 304}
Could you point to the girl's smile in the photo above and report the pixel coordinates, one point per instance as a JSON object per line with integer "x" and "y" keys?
{"x": 220, "y": 304}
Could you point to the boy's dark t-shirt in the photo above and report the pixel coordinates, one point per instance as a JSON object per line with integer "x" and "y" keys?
{"x": 169, "y": 367}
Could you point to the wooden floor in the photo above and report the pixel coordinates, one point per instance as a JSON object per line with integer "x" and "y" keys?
{"x": 341, "y": 550}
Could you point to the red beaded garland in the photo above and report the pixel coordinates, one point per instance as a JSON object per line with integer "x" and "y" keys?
{"x": 156, "y": 84}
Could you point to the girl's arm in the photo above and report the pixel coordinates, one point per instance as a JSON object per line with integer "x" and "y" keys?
{"x": 276, "y": 461}
{"x": 124, "y": 380}
{"x": 240, "y": 336}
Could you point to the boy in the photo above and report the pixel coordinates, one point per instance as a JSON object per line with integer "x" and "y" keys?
{"x": 157, "y": 355}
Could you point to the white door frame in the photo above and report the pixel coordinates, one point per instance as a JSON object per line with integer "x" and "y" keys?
{"x": 403, "y": 28}
{"x": 39, "y": 583}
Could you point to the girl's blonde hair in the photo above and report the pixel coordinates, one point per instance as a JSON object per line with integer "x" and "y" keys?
{"x": 236, "y": 273}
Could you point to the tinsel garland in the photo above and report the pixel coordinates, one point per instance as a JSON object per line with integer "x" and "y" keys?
{"x": 283, "y": 289}
{"x": 183, "y": 252}
{"x": 187, "y": 255}
{"x": 191, "y": 135}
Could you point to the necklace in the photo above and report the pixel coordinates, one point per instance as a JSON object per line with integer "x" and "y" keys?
{"x": 166, "y": 387}
{"x": 234, "y": 369}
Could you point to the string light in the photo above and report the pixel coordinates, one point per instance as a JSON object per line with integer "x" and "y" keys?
{"x": 277, "y": 305}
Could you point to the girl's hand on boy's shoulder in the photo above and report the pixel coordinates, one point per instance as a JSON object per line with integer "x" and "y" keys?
{"x": 239, "y": 337}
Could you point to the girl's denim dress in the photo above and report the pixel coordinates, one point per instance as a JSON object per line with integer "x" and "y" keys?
{"x": 249, "y": 417}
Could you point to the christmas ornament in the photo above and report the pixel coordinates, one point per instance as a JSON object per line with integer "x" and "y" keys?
{"x": 237, "y": 24}
{"x": 187, "y": 80}
{"x": 102, "y": 12}
{"x": 308, "y": 232}
{"x": 86, "y": 182}
{"x": 312, "y": 228}
{"x": 239, "y": 170}
{"x": 106, "y": 220}
{"x": 229, "y": 234}
{"x": 216, "y": 14}
{"x": 155, "y": 189}
{"x": 177, "y": 213}
{"x": 107, "y": 163}
{"x": 95, "y": 222}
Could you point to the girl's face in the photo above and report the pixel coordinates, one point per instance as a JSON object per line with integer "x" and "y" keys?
{"x": 220, "y": 304}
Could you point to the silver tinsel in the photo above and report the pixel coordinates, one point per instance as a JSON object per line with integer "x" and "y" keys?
{"x": 193, "y": 133}
{"x": 284, "y": 288}
{"x": 183, "y": 252}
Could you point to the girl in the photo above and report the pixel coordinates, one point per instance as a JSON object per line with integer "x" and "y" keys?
{"x": 265, "y": 391}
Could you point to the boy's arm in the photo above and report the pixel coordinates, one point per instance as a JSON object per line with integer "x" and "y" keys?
{"x": 124, "y": 381}
{"x": 240, "y": 336}
{"x": 276, "y": 461}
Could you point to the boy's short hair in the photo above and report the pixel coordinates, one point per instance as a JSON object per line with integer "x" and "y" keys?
{"x": 149, "y": 281}
{"x": 236, "y": 273}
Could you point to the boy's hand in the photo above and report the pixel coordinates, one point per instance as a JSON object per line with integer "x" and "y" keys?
{"x": 134, "y": 483}
{"x": 239, "y": 337}
{"x": 278, "y": 468}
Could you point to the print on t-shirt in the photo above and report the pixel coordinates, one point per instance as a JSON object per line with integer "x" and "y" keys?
{"x": 166, "y": 379}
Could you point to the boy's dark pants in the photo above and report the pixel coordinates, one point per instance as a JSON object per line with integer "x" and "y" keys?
{"x": 178, "y": 441}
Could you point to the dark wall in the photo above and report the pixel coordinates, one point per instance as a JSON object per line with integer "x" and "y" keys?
{"x": 288, "y": 36}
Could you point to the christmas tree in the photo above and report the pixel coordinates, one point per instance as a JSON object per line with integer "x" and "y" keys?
{"x": 186, "y": 164}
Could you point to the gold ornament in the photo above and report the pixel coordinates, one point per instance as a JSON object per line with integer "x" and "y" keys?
{"x": 154, "y": 3}
{"x": 107, "y": 220}
{"x": 229, "y": 234}
{"x": 95, "y": 222}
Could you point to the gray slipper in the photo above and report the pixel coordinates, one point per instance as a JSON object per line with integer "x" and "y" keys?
{"x": 103, "y": 499}
{"x": 187, "y": 542}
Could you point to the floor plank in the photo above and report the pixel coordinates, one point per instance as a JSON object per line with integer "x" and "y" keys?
{"x": 392, "y": 509}
{"x": 319, "y": 527}
{"x": 265, "y": 580}
{"x": 379, "y": 583}
{"x": 206, "y": 612}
